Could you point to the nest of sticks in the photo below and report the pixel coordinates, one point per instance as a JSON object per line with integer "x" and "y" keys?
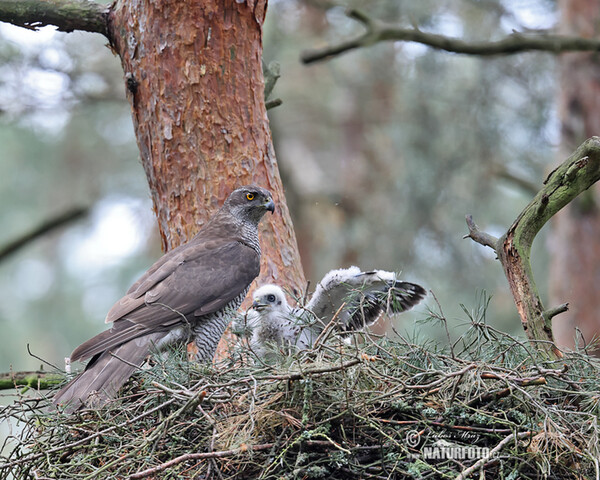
{"x": 381, "y": 408}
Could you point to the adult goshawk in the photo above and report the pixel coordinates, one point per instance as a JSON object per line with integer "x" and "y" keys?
{"x": 188, "y": 294}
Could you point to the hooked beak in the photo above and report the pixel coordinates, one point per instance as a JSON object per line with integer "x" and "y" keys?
{"x": 270, "y": 205}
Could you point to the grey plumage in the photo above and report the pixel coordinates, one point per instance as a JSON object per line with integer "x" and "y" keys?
{"x": 189, "y": 293}
{"x": 356, "y": 299}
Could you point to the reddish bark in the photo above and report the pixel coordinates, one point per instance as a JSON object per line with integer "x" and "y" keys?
{"x": 193, "y": 70}
{"x": 575, "y": 250}
{"x": 194, "y": 77}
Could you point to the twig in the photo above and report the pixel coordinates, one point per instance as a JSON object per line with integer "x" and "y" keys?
{"x": 377, "y": 31}
{"x": 490, "y": 396}
{"x": 45, "y": 227}
{"x": 553, "y": 312}
{"x": 576, "y": 174}
{"x": 40, "y": 358}
{"x": 272, "y": 73}
{"x": 160, "y": 429}
{"x": 442, "y": 318}
{"x": 28, "y": 458}
{"x": 481, "y": 462}
{"x": 478, "y": 236}
{"x": 441, "y": 380}
{"x": 314, "y": 371}
{"x": 269, "y": 104}
{"x": 200, "y": 456}
{"x": 524, "y": 382}
{"x": 329, "y": 327}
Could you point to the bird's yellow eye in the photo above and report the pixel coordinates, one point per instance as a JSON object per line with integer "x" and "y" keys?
{"x": 250, "y": 196}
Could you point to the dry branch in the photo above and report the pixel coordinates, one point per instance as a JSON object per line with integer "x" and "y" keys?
{"x": 200, "y": 456}
{"x": 66, "y": 15}
{"x": 578, "y": 173}
{"x": 338, "y": 421}
{"x": 313, "y": 371}
{"x": 44, "y": 228}
{"x": 481, "y": 462}
{"x": 378, "y": 31}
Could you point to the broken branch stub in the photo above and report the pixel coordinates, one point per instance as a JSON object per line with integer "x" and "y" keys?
{"x": 578, "y": 173}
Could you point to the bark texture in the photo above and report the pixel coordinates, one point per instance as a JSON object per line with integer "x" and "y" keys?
{"x": 574, "y": 176}
{"x": 66, "y": 15}
{"x": 195, "y": 83}
{"x": 575, "y": 249}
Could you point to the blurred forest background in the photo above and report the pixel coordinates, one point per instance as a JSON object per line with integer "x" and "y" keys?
{"x": 382, "y": 152}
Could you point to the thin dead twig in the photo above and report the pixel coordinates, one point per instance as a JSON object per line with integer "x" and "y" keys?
{"x": 481, "y": 462}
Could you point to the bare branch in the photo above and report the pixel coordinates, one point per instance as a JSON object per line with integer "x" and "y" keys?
{"x": 312, "y": 371}
{"x": 478, "y": 236}
{"x": 553, "y": 312}
{"x": 272, "y": 73}
{"x": 481, "y": 462}
{"x": 67, "y": 15}
{"x": 269, "y": 104}
{"x": 578, "y": 173}
{"x": 42, "y": 229}
{"x": 201, "y": 456}
{"x": 377, "y": 31}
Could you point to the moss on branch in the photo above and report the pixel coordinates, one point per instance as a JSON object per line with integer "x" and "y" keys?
{"x": 578, "y": 173}
{"x": 39, "y": 380}
{"x": 66, "y": 15}
{"x": 377, "y": 31}
{"x": 373, "y": 410}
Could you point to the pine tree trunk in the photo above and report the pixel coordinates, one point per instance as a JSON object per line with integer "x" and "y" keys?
{"x": 574, "y": 240}
{"x": 195, "y": 83}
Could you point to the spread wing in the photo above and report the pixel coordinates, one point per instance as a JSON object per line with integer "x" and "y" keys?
{"x": 363, "y": 295}
{"x": 333, "y": 291}
{"x": 196, "y": 280}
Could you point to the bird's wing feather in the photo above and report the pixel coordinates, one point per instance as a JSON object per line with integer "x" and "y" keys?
{"x": 208, "y": 282}
{"x": 161, "y": 269}
{"x": 202, "y": 278}
{"x": 120, "y": 332}
{"x": 366, "y": 296}
{"x": 203, "y": 284}
{"x": 333, "y": 291}
{"x": 166, "y": 258}
{"x": 390, "y": 296}
{"x": 135, "y": 295}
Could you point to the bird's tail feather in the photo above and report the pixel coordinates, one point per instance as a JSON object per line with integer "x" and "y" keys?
{"x": 105, "y": 375}
{"x": 108, "y": 339}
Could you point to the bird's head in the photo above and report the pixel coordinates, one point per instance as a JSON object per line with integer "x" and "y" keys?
{"x": 250, "y": 203}
{"x": 268, "y": 298}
